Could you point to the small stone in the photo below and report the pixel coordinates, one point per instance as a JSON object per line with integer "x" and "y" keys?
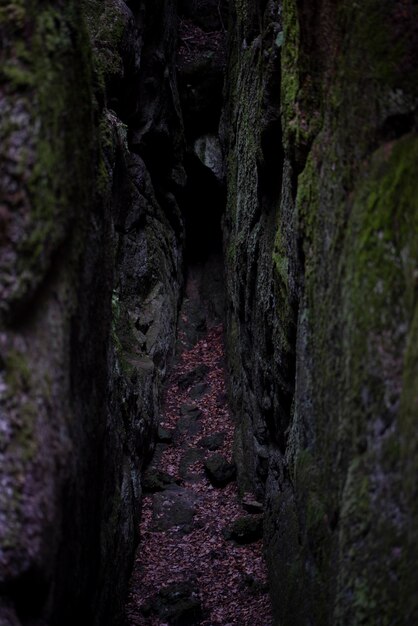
{"x": 178, "y": 604}
{"x": 190, "y": 421}
{"x": 255, "y": 586}
{"x": 175, "y": 507}
{"x": 190, "y": 457}
{"x": 250, "y": 504}
{"x": 196, "y": 375}
{"x": 190, "y": 410}
{"x": 164, "y": 435}
{"x": 212, "y": 442}
{"x": 198, "y": 390}
{"x": 156, "y": 480}
{"x": 220, "y": 472}
{"x": 245, "y": 530}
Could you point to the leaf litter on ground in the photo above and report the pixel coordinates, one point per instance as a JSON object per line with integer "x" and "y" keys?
{"x": 231, "y": 580}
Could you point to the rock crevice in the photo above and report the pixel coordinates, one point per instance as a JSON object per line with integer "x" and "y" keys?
{"x": 133, "y": 176}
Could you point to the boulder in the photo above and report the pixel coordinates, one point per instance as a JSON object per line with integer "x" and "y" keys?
{"x": 177, "y": 604}
{"x": 198, "y": 390}
{"x": 212, "y": 442}
{"x": 196, "y": 375}
{"x": 164, "y": 435}
{"x": 190, "y": 421}
{"x": 219, "y": 471}
{"x": 245, "y": 529}
{"x": 175, "y": 507}
{"x": 156, "y": 480}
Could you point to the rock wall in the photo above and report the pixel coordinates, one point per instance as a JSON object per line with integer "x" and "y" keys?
{"x": 321, "y": 259}
{"x": 91, "y": 272}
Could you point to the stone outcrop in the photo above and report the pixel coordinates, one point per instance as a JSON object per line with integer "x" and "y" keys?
{"x": 91, "y": 274}
{"x": 321, "y": 256}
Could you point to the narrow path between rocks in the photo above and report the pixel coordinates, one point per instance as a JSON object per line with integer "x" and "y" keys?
{"x": 200, "y": 556}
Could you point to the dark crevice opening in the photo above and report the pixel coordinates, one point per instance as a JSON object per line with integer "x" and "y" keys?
{"x": 203, "y": 202}
{"x": 29, "y": 594}
{"x": 201, "y": 62}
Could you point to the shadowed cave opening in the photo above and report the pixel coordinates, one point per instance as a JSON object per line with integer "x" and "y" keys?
{"x": 203, "y": 204}
{"x": 201, "y": 64}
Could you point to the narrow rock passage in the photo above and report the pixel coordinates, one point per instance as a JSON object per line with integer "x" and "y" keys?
{"x": 200, "y": 556}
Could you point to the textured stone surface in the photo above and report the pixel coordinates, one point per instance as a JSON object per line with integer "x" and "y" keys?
{"x": 177, "y": 604}
{"x": 245, "y": 529}
{"x": 212, "y": 442}
{"x": 175, "y": 507}
{"x": 220, "y": 472}
{"x": 90, "y": 276}
{"x": 321, "y": 253}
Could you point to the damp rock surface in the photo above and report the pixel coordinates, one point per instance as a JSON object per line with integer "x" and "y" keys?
{"x": 90, "y": 281}
{"x": 321, "y": 225}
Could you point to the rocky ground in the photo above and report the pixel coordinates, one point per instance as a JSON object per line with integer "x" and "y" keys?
{"x": 200, "y": 556}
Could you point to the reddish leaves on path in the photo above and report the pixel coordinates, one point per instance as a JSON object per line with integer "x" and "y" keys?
{"x": 229, "y": 579}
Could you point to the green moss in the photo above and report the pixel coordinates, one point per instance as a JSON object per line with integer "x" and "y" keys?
{"x": 356, "y": 508}
{"x": 46, "y": 65}
{"x": 359, "y": 273}
{"x": 384, "y": 238}
{"x": 113, "y": 137}
{"x": 290, "y": 66}
{"x": 307, "y": 200}
{"x": 243, "y": 455}
{"x": 25, "y": 437}
{"x": 409, "y": 461}
{"x": 13, "y": 13}
{"x": 283, "y": 311}
{"x": 17, "y": 75}
{"x": 357, "y": 599}
{"x": 102, "y": 179}
{"x": 18, "y": 374}
{"x": 125, "y": 341}
{"x": 19, "y": 394}
{"x": 300, "y": 118}
{"x": 352, "y": 493}
{"x": 107, "y": 26}
{"x": 374, "y": 47}
{"x": 312, "y": 500}
{"x": 280, "y": 260}
{"x": 116, "y": 315}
